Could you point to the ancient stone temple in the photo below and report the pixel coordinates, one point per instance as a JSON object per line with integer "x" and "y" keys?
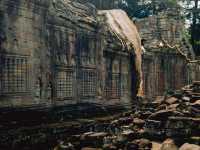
{"x": 167, "y": 54}
{"x": 55, "y": 53}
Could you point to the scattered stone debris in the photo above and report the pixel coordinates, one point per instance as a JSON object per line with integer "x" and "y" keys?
{"x": 173, "y": 119}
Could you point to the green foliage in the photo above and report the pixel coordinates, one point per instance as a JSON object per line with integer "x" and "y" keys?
{"x": 155, "y": 6}
{"x": 172, "y": 3}
{"x": 134, "y": 9}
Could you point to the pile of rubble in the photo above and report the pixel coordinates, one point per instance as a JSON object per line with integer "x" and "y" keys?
{"x": 178, "y": 113}
{"x": 175, "y": 117}
{"x": 185, "y": 101}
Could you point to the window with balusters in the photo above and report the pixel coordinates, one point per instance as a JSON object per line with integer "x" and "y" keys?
{"x": 13, "y": 74}
{"x": 65, "y": 84}
{"x": 88, "y": 83}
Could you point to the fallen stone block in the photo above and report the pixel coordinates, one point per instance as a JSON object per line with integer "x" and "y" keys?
{"x": 168, "y": 144}
{"x": 93, "y": 138}
{"x": 196, "y": 104}
{"x": 188, "y": 146}
{"x": 164, "y": 114}
{"x": 173, "y": 107}
{"x": 138, "y": 121}
{"x": 171, "y": 100}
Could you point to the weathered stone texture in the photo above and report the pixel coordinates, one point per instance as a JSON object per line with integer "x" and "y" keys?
{"x": 165, "y": 68}
{"x": 166, "y": 26}
{"x": 58, "y": 53}
{"x": 103, "y": 4}
{"x": 162, "y": 72}
{"x": 23, "y": 47}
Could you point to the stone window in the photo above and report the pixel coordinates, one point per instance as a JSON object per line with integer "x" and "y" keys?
{"x": 112, "y": 85}
{"x": 14, "y": 74}
{"x": 116, "y": 89}
{"x": 88, "y": 83}
{"x": 64, "y": 84}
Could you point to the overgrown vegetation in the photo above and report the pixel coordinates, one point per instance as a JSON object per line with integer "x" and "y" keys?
{"x": 190, "y": 11}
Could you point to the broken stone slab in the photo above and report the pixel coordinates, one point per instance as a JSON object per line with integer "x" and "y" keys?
{"x": 156, "y": 145}
{"x": 98, "y": 135}
{"x": 168, "y": 144}
{"x": 188, "y": 146}
{"x": 173, "y": 107}
{"x": 186, "y": 99}
{"x": 171, "y": 100}
{"x": 138, "y": 123}
{"x": 196, "y": 83}
{"x": 195, "y": 97}
{"x": 127, "y": 132}
{"x": 164, "y": 114}
{"x": 86, "y": 134}
{"x": 114, "y": 122}
{"x": 159, "y": 99}
{"x": 196, "y": 104}
{"x": 195, "y": 140}
{"x": 93, "y": 138}
{"x": 144, "y": 144}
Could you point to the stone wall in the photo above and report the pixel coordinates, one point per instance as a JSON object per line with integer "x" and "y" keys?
{"x": 103, "y": 4}
{"x": 163, "y": 72}
{"x": 166, "y": 26}
{"x": 194, "y": 71}
{"x": 55, "y": 53}
{"x": 164, "y": 68}
{"x": 23, "y": 52}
